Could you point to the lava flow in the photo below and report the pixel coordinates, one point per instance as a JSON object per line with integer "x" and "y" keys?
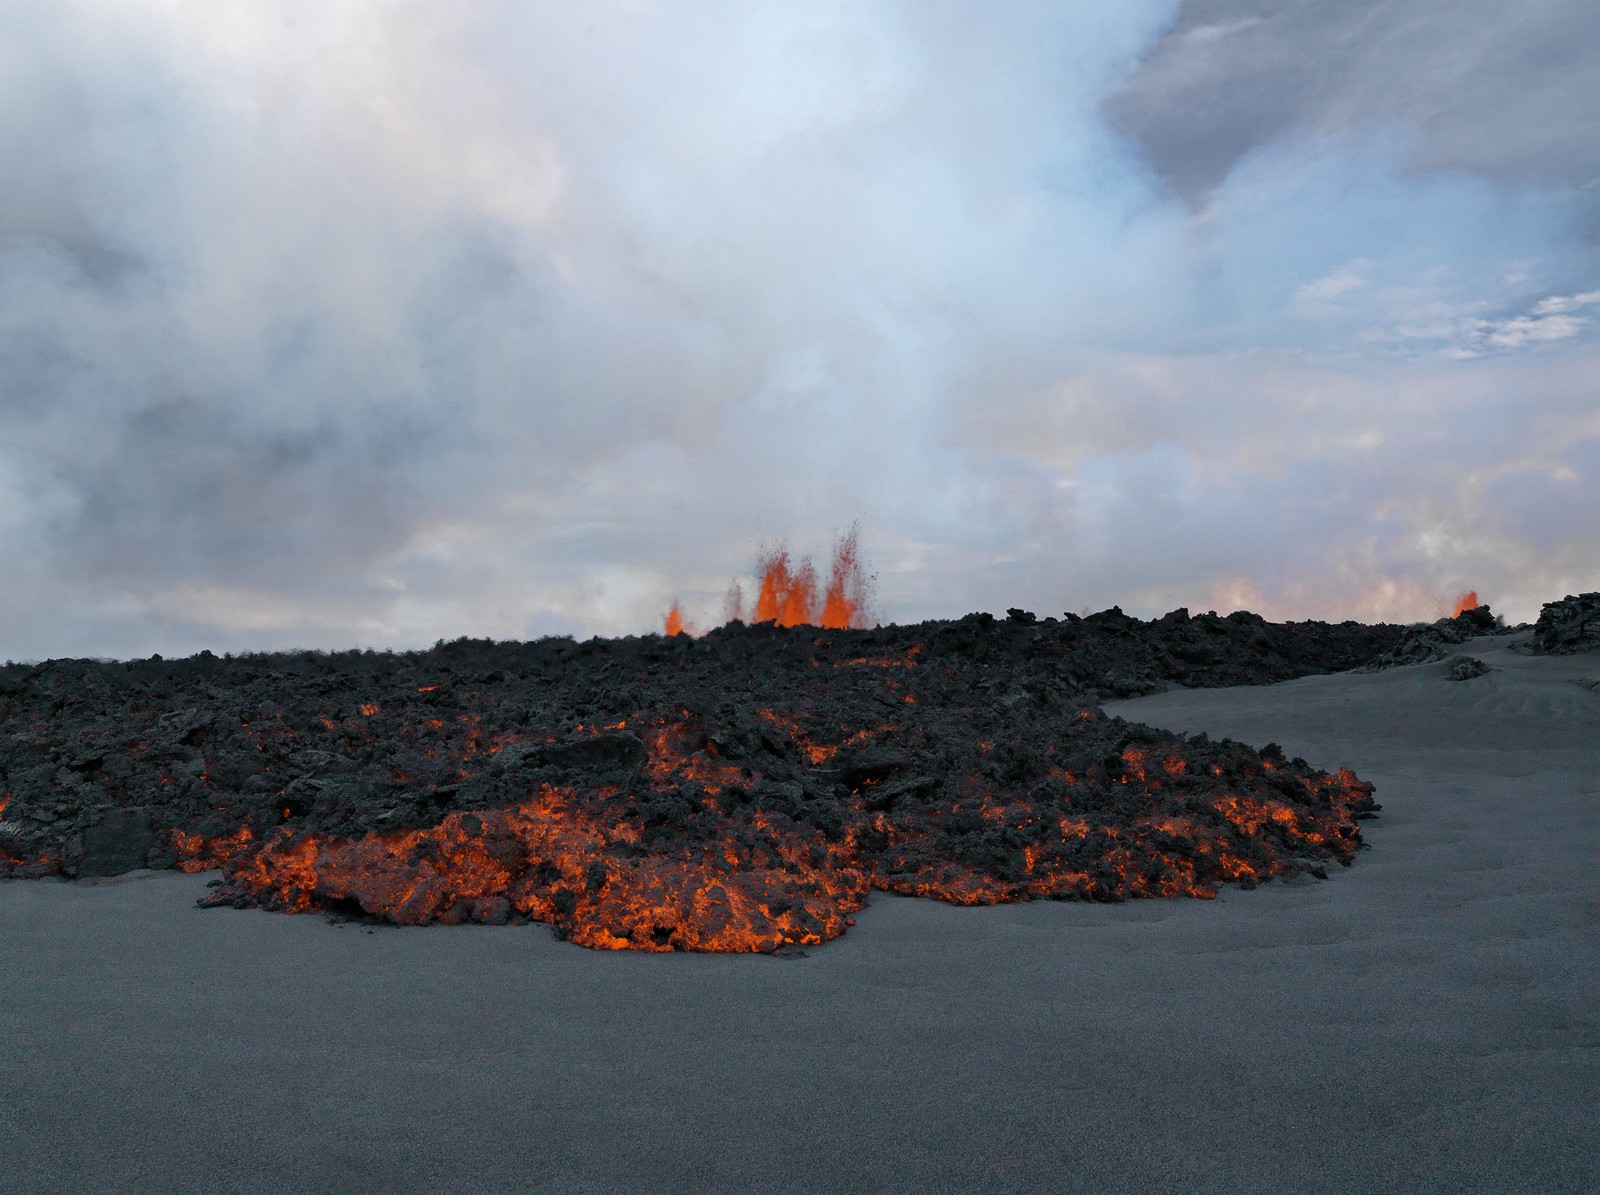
{"x": 741, "y": 791}
{"x": 681, "y": 848}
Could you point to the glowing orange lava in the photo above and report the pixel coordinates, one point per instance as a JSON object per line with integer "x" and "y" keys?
{"x": 1467, "y": 601}
{"x": 699, "y": 851}
{"x": 745, "y": 795}
{"x": 789, "y": 594}
{"x": 565, "y": 858}
{"x": 198, "y": 853}
{"x": 788, "y": 597}
{"x": 673, "y": 623}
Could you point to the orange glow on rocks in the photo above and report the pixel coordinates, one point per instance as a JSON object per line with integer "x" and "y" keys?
{"x": 1467, "y": 601}
{"x": 195, "y": 852}
{"x": 741, "y": 791}
{"x": 770, "y": 833}
{"x": 21, "y": 864}
{"x": 750, "y": 882}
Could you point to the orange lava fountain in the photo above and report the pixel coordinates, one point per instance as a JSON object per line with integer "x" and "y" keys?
{"x": 673, "y": 623}
{"x": 1467, "y": 601}
{"x": 789, "y": 594}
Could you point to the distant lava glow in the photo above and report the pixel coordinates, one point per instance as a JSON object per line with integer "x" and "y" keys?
{"x": 789, "y": 594}
{"x": 673, "y": 624}
{"x": 1467, "y": 601}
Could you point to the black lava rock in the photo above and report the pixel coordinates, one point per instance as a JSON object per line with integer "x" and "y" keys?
{"x": 118, "y": 840}
{"x": 1569, "y": 626}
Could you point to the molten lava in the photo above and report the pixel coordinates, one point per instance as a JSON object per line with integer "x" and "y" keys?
{"x": 751, "y": 832}
{"x": 673, "y": 623}
{"x": 578, "y": 861}
{"x": 195, "y": 852}
{"x": 13, "y": 863}
{"x": 844, "y": 604}
{"x": 789, "y": 595}
{"x": 1467, "y": 601}
{"x": 743, "y": 791}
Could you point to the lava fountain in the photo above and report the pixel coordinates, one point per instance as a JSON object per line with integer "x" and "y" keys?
{"x": 788, "y": 593}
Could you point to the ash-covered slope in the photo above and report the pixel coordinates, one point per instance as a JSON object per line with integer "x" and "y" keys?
{"x": 740, "y": 791}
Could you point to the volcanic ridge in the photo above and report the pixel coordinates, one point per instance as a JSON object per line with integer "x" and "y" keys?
{"x": 742, "y": 791}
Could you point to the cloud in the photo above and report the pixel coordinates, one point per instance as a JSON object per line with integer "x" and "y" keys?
{"x": 1461, "y": 333}
{"x": 1501, "y": 91}
{"x": 1328, "y": 490}
{"x": 1563, "y": 304}
{"x": 383, "y": 323}
{"x": 1521, "y": 331}
{"x": 1332, "y": 292}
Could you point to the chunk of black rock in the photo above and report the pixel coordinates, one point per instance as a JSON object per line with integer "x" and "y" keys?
{"x": 117, "y": 841}
{"x": 315, "y": 762}
{"x": 598, "y": 752}
{"x": 1569, "y": 626}
{"x": 1416, "y": 645}
{"x": 1467, "y": 667}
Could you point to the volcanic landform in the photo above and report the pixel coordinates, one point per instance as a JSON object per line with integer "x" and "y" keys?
{"x": 741, "y": 791}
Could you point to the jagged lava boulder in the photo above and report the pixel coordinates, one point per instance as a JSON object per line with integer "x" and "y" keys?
{"x": 1569, "y": 626}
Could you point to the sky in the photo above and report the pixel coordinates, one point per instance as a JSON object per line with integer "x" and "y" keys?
{"x": 373, "y": 324}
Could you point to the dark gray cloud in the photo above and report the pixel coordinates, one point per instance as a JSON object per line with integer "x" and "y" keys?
{"x": 1508, "y": 90}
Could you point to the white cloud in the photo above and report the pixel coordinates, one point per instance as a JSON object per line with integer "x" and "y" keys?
{"x": 1459, "y": 330}
{"x": 1521, "y": 331}
{"x": 1546, "y": 322}
{"x": 1216, "y": 31}
{"x": 1561, "y": 304}
{"x": 1329, "y": 294}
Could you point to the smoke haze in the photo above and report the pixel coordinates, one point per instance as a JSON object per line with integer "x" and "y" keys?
{"x": 371, "y": 324}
